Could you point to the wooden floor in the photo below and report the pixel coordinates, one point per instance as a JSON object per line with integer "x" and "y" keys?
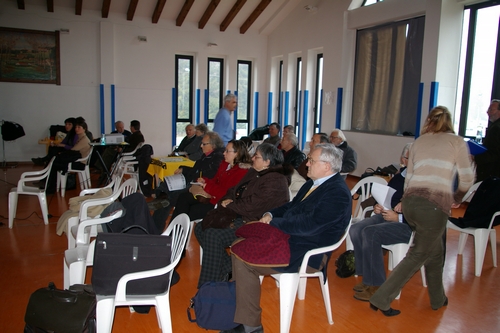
{"x": 32, "y": 256}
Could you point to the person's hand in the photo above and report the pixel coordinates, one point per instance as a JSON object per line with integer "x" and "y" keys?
{"x": 202, "y": 182}
{"x": 178, "y": 171}
{"x": 455, "y": 205}
{"x": 266, "y": 218}
{"x": 390, "y": 216}
{"x": 398, "y": 208}
{"x": 226, "y": 202}
{"x": 377, "y": 209}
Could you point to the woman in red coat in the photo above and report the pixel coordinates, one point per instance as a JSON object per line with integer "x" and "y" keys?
{"x": 202, "y": 197}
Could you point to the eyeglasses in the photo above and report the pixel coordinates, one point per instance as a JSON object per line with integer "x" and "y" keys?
{"x": 230, "y": 151}
{"x": 205, "y": 143}
{"x": 334, "y": 137}
{"x": 311, "y": 161}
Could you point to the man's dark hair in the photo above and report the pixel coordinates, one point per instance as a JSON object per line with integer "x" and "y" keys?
{"x": 278, "y": 126}
{"x": 136, "y": 125}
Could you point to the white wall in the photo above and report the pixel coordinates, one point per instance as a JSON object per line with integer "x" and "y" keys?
{"x": 332, "y": 28}
{"x": 108, "y": 51}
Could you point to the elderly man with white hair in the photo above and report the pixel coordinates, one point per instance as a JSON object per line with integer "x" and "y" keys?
{"x": 350, "y": 160}
{"x": 291, "y": 153}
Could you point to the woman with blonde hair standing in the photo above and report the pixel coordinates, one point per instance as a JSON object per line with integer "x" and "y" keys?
{"x": 435, "y": 159}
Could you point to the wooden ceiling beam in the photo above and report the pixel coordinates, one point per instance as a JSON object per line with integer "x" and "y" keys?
{"x": 131, "y": 9}
{"x": 232, "y": 14}
{"x": 158, "y": 9}
{"x": 255, "y": 14}
{"x": 208, "y": 13}
{"x": 78, "y": 7}
{"x": 183, "y": 13}
{"x": 105, "y": 8}
{"x": 50, "y": 6}
{"x": 20, "y": 4}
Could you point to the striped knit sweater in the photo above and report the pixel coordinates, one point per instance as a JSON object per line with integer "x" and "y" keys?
{"x": 434, "y": 161}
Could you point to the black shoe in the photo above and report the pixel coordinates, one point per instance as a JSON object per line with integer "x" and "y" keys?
{"x": 38, "y": 161}
{"x": 388, "y": 313}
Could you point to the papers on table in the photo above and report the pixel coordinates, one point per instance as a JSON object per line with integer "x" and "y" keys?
{"x": 383, "y": 195}
{"x": 176, "y": 182}
{"x": 171, "y": 159}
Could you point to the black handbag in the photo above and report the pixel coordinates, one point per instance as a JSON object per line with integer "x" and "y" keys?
{"x": 61, "y": 311}
{"x": 117, "y": 254}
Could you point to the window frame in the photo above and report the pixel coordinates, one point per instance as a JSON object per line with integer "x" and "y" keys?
{"x": 248, "y": 95}
{"x": 189, "y": 119}
{"x": 209, "y": 119}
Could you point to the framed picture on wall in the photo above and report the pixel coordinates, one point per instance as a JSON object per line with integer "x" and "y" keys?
{"x": 29, "y": 56}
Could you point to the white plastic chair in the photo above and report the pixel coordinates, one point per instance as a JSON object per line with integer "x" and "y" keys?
{"x": 292, "y": 284}
{"x": 23, "y": 188}
{"x": 128, "y": 187}
{"x": 365, "y": 185}
{"x": 83, "y": 175}
{"x": 179, "y": 229}
{"x": 481, "y": 236}
{"x": 398, "y": 252}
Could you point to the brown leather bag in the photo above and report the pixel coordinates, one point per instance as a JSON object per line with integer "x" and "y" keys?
{"x": 219, "y": 218}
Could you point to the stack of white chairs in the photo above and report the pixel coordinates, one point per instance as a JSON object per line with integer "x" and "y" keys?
{"x": 80, "y": 253}
{"x": 105, "y": 311}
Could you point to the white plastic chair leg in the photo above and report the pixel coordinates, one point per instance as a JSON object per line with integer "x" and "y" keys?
{"x": 64, "y": 179}
{"x": 325, "y": 289}
{"x": 289, "y": 283}
{"x": 163, "y": 313}
{"x": 12, "y": 207}
{"x": 480, "y": 244}
{"x": 493, "y": 239}
{"x": 348, "y": 243}
{"x": 105, "y": 314}
{"x": 43, "y": 206}
{"x": 301, "y": 293}
{"x": 462, "y": 239}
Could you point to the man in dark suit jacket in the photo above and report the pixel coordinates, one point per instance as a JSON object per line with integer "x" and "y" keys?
{"x": 317, "y": 217}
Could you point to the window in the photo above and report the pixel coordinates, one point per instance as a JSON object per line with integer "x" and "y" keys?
{"x": 479, "y": 79}
{"x": 298, "y": 80}
{"x": 387, "y": 77}
{"x": 317, "y": 93}
{"x": 244, "y": 98}
{"x": 215, "y": 80}
{"x": 184, "y": 92}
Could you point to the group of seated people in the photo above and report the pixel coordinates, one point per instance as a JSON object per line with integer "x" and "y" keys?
{"x": 258, "y": 188}
{"x": 76, "y": 145}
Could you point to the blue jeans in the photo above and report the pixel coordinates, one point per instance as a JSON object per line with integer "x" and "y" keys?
{"x": 367, "y": 236}
{"x": 429, "y": 223}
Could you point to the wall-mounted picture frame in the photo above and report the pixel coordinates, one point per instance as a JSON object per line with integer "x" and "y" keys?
{"x": 29, "y": 56}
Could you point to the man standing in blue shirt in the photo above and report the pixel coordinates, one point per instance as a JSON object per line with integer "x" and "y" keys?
{"x": 222, "y": 122}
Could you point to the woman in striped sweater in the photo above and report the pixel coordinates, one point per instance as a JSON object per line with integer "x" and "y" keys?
{"x": 435, "y": 159}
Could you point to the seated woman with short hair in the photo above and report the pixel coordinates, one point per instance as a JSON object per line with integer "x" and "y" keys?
{"x": 264, "y": 187}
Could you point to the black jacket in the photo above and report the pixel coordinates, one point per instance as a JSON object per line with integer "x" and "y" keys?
{"x": 294, "y": 157}
{"x": 207, "y": 165}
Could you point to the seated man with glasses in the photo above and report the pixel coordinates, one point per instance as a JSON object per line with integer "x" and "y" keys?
{"x": 316, "y": 217}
